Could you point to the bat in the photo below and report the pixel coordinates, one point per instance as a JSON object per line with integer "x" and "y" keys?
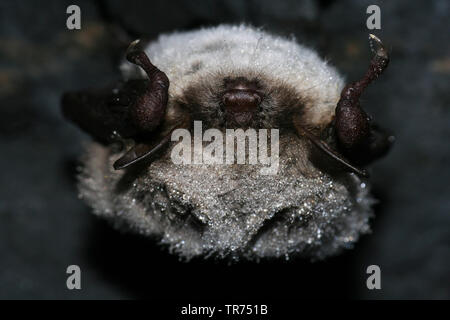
{"x": 232, "y": 77}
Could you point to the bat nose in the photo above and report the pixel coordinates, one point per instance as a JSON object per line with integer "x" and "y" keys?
{"x": 241, "y": 103}
{"x": 237, "y": 100}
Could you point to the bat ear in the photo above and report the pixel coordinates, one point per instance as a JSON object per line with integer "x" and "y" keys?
{"x": 132, "y": 109}
{"x": 357, "y": 137}
{"x": 140, "y": 152}
{"x": 149, "y": 108}
{"x": 351, "y": 122}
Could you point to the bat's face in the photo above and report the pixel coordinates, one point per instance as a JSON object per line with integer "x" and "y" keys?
{"x": 241, "y": 101}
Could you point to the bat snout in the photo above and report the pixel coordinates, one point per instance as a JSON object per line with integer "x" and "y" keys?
{"x": 241, "y": 101}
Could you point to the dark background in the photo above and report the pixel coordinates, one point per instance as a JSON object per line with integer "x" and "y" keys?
{"x": 44, "y": 227}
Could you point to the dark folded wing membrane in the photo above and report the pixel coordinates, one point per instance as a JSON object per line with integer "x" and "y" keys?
{"x": 323, "y": 146}
{"x": 140, "y": 152}
{"x": 104, "y": 112}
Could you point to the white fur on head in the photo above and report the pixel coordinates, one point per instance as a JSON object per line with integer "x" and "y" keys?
{"x": 188, "y": 57}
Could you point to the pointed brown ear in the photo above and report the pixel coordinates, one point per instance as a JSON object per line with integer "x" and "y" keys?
{"x": 351, "y": 122}
{"x": 359, "y": 138}
{"x": 132, "y": 108}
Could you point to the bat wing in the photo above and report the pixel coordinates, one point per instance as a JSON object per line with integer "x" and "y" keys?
{"x": 323, "y": 146}
{"x": 142, "y": 151}
{"x": 104, "y": 113}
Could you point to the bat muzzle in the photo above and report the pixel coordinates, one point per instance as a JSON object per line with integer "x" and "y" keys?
{"x": 241, "y": 105}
